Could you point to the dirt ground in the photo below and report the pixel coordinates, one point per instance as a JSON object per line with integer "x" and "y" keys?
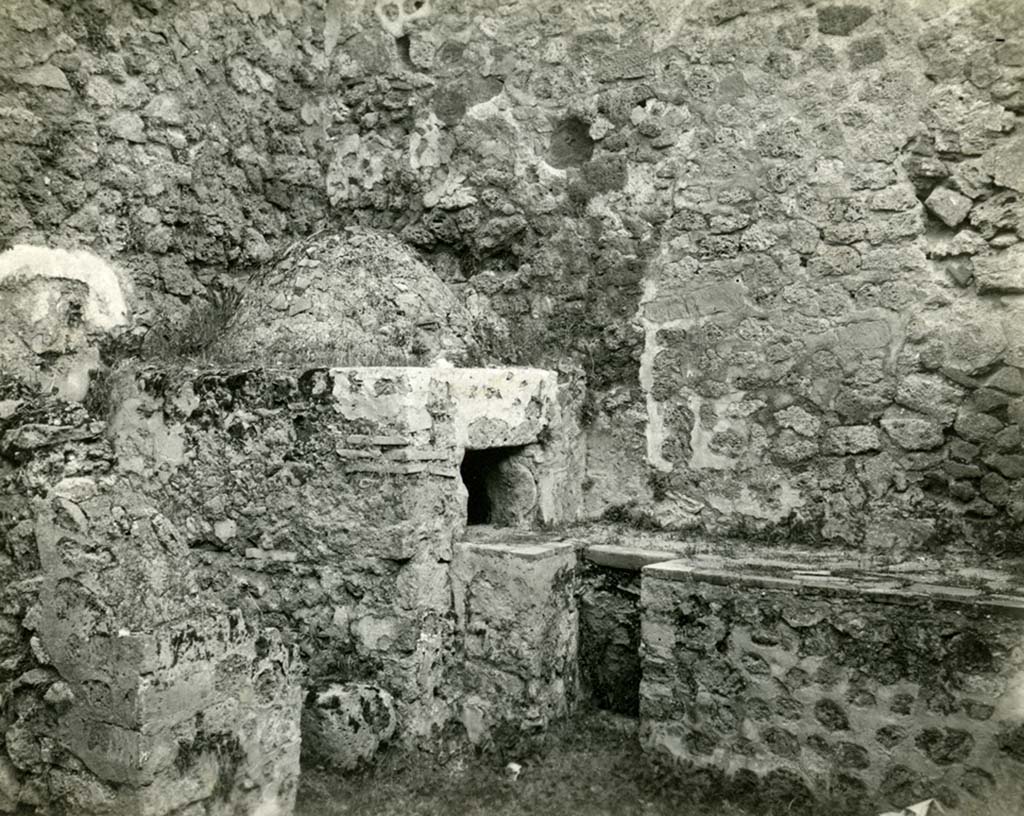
{"x": 594, "y": 769}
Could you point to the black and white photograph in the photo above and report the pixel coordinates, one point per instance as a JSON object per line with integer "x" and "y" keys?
{"x": 512, "y": 407}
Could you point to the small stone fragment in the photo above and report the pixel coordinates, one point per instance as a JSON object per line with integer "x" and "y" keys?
{"x": 841, "y": 20}
{"x": 866, "y": 51}
{"x": 127, "y": 126}
{"x": 1001, "y": 271}
{"x": 962, "y": 491}
{"x": 782, "y": 743}
{"x": 1010, "y": 465}
{"x": 798, "y": 420}
{"x": 59, "y": 696}
{"x": 1011, "y": 741}
{"x": 995, "y": 488}
{"x": 948, "y": 205}
{"x": 831, "y": 715}
{"x": 851, "y": 755}
{"x": 930, "y": 394}
{"x": 166, "y": 109}
{"x": 44, "y": 76}
{"x": 1005, "y": 162}
{"x": 977, "y": 427}
{"x": 852, "y": 439}
{"x": 912, "y": 431}
{"x": 1008, "y": 379}
{"x": 945, "y": 746}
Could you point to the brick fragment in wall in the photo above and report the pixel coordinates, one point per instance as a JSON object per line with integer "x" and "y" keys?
{"x": 398, "y": 468}
{"x": 357, "y": 453}
{"x": 379, "y": 441}
{"x": 418, "y": 455}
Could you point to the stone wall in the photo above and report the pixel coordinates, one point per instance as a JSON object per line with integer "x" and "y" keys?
{"x": 782, "y": 241}
{"x": 859, "y": 690}
{"x": 328, "y": 501}
{"x": 143, "y": 537}
{"x": 126, "y": 688}
{"x": 329, "y": 511}
{"x": 59, "y": 308}
{"x": 817, "y": 359}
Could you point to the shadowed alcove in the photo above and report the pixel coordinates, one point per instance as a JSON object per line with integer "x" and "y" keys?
{"x": 501, "y": 489}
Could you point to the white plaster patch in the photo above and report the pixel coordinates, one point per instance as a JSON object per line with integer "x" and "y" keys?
{"x": 501, "y": 397}
{"x": 106, "y": 306}
{"x": 700, "y": 438}
{"x": 334, "y": 13}
{"x": 142, "y": 439}
{"x": 425, "y": 147}
{"x": 655, "y": 430}
{"x": 395, "y": 15}
{"x": 784, "y": 500}
{"x": 450, "y": 193}
{"x": 356, "y": 397}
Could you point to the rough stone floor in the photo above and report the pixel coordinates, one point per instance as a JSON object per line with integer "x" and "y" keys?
{"x": 594, "y": 767}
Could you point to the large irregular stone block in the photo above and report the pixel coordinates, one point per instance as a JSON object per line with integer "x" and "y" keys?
{"x": 502, "y": 407}
{"x": 491, "y": 407}
{"x": 166, "y": 696}
{"x": 345, "y": 725}
{"x": 517, "y": 618}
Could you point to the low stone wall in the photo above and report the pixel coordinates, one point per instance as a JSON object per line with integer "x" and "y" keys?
{"x": 813, "y": 685}
{"x": 140, "y": 548}
{"x": 516, "y": 612}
